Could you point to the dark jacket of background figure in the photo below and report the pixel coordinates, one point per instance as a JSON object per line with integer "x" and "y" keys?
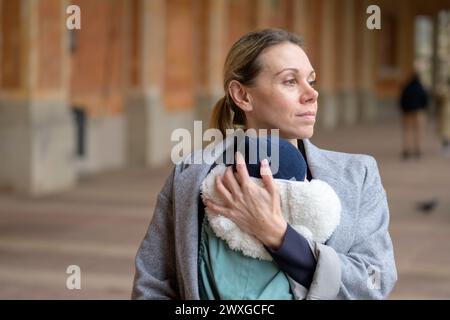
{"x": 414, "y": 97}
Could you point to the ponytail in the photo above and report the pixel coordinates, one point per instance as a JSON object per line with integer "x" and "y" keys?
{"x": 226, "y": 115}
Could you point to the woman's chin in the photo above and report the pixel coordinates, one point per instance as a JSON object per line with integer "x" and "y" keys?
{"x": 305, "y": 133}
{"x": 310, "y": 134}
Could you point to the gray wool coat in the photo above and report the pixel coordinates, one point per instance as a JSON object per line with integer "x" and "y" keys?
{"x": 357, "y": 262}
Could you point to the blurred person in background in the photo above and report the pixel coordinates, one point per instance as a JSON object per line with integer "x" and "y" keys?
{"x": 268, "y": 84}
{"x": 443, "y": 116}
{"x": 413, "y": 103}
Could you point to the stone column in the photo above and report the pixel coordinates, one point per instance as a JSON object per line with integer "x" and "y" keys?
{"x": 346, "y": 92}
{"x": 406, "y": 52}
{"x": 366, "y": 71}
{"x": 302, "y": 20}
{"x": 37, "y": 138}
{"x": 328, "y": 112}
{"x": 405, "y": 57}
{"x": 263, "y": 14}
{"x": 212, "y": 35}
{"x": 149, "y": 124}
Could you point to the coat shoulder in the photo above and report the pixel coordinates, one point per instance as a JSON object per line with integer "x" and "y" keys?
{"x": 351, "y": 163}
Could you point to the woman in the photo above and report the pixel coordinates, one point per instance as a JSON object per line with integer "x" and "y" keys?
{"x": 269, "y": 84}
{"x": 413, "y": 103}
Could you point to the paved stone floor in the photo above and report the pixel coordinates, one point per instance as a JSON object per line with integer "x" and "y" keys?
{"x": 99, "y": 224}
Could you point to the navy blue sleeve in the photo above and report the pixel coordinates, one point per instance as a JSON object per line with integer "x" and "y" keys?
{"x": 295, "y": 257}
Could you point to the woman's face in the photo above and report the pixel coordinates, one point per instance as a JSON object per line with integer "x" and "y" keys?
{"x": 283, "y": 96}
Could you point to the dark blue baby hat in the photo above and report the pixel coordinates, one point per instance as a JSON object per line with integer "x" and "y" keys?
{"x": 286, "y": 161}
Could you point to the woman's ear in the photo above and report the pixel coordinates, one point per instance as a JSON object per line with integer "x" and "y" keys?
{"x": 240, "y": 95}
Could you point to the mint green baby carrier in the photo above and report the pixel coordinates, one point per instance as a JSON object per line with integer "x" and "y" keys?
{"x": 225, "y": 274}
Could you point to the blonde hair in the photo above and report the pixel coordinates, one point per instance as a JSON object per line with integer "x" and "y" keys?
{"x": 242, "y": 64}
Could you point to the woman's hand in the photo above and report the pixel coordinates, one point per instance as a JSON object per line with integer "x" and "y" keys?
{"x": 256, "y": 210}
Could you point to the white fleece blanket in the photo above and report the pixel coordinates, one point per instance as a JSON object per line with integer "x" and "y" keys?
{"x": 312, "y": 208}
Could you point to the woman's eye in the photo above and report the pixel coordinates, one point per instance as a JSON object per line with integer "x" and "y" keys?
{"x": 312, "y": 83}
{"x": 290, "y": 82}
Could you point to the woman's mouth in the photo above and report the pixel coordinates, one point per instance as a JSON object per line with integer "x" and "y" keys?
{"x": 310, "y": 115}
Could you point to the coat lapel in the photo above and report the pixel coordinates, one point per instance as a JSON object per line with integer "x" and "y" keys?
{"x": 317, "y": 164}
{"x": 186, "y": 196}
{"x": 311, "y": 157}
{"x": 325, "y": 168}
{"x": 186, "y": 193}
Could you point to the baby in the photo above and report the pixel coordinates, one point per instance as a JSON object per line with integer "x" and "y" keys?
{"x": 312, "y": 208}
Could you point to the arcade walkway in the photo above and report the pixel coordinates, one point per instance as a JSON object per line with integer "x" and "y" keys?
{"x": 99, "y": 224}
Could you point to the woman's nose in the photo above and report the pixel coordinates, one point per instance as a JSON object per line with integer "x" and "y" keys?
{"x": 309, "y": 96}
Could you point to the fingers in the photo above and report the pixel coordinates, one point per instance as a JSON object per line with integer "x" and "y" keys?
{"x": 241, "y": 169}
{"x": 267, "y": 178}
{"x": 230, "y": 182}
{"x": 223, "y": 191}
{"x": 216, "y": 208}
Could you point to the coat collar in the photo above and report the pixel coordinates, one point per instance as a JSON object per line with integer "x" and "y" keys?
{"x": 315, "y": 159}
